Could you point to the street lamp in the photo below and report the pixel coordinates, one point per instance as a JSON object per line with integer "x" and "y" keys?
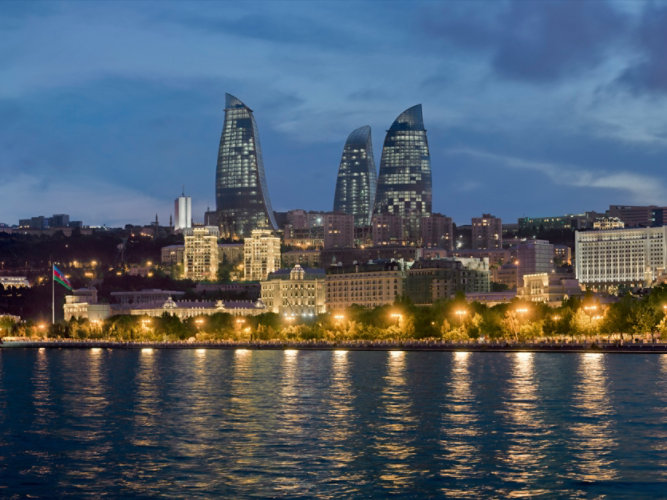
{"x": 397, "y": 316}
{"x": 460, "y": 313}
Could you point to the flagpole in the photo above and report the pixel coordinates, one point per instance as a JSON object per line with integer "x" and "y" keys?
{"x": 53, "y": 295}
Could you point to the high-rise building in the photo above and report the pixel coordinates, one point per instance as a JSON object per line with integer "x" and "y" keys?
{"x": 242, "y": 198}
{"x": 437, "y": 232}
{"x": 183, "y": 212}
{"x": 404, "y": 183}
{"x": 487, "y": 232}
{"x": 534, "y": 256}
{"x": 200, "y": 253}
{"x": 357, "y": 179}
{"x": 261, "y": 255}
{"x": 338, "y": 230}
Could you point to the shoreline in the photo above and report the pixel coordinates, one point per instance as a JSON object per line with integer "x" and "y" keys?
{"x": 575, "y": 347}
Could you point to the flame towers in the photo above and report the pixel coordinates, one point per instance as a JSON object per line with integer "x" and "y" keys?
{"x": 241, "y": 195}
{"x": 355, "y": 185}
{"x": 404, "y": 184}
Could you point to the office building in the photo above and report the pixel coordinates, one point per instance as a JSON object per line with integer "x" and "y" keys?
{"x": 534, "y": 256}
{"x": 242, "y": 197}
{"x": 404, "y": 183}
{"x": 357, "y": 179}
{"x": 183, "y": 212}
{"x": 261, "y": 255}
{"x": 634, "y": 257}
{"x": 338, "y": 230}
{"x": 487, "y": 232}
{"x": 200, "y": 253}
{"x": 387, "y": 229}
{"x": 437, "y": 231}
{"x": 639, "y": 216}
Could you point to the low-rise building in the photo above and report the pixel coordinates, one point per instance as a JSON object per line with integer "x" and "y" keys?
{"x": 82, "y": 303}
{"x": 431, "y": 280}
{"x": 550, "y": 288}
{"x": 14, "y": 281}
{"x": 368, "y": 285}
{"x": 295, "y": 292}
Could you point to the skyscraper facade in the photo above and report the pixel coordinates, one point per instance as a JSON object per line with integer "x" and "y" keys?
{"x": 404, "y": 184}
{"x": 356, "y": 182}
{"x": 241, "y": 195}
{"x": 182, "y": 212}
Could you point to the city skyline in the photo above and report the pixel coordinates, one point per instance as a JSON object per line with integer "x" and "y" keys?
{"x": 533, "y": 109}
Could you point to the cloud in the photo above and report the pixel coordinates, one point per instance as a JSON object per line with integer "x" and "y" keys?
{"x": 94, "y": 201}
{"x": 640, "y": 189}
{"x": 650, "y": 72}
{"x": 536, "y": 42}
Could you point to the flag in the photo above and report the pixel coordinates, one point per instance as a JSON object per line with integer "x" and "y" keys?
{"x": 59, "y": 277}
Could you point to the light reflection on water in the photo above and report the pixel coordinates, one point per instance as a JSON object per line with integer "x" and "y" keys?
{"x": 235, "y": 424}
{"x": 460, "y": 452}
{"x": 593, "y": 434}
{"x": 396, "y": 423}
{"x": 529, "y": 437}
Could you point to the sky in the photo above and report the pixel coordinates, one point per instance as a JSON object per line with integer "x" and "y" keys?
{"x": 533, "y": 108}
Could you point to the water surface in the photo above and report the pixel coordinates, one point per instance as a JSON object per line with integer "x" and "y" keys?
{"x": 330, "y": 424}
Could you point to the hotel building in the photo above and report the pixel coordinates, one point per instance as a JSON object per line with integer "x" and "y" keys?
{"x": 200, "y": 253}
{"x": 295, "y": 292}
{"x": 630, "y": 257}
{"x": 369, "y": 285}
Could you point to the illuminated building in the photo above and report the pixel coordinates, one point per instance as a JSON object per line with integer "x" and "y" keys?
{"x": 368, "y": 285}
{"x": 534, "y": 256}
{"x": 487, "y": 232}
{"x": 631, "y": 257}
{"x": 404, "y": 183}
{"x": 295, "y": 292}
{"x": 200, "y": 253}
{"x": 183, "y": 212}
{"x": 550, "y": 288}
{"x": 357, "y": 179}
{"x": 387, "y": 229}
{"x": 242, "y": 197}
{"x": 261, "y": 255}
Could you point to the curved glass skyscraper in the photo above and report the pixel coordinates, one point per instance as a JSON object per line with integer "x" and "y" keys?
{"x": 355, "y": 185}
{"x": 404, "y": 183}
{"x": 241, "y": 196}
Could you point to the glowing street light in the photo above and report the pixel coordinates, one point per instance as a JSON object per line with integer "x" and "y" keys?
{"x": 460, "y": 313}
{"x": 339, "y": 317}
{"x": 397, "y": 316}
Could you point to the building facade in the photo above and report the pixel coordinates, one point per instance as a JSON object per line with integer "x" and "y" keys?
{"x": 404, "y": 183}
{"x": 549, "y": 288}
{"x": 338, "y": 230}
{"x": 357, "y": 178}
{"x": 639, "y": 216}
{"x": 621, "y": 257}
{"x": 295, "y": 292}
{"x": 367, "y": 285}
{"x": 261, "y": 255}
{"x": 437, "y": 231}
{"x": 242, "y": 196}
{"x": 534, "y": 256}
{"x": 431, "y": 280}
{"x": 387, "y": 229}
{"x": 182, "y": 212}
{"x": 487, "y": 232}
{"x": 200, "y": 253}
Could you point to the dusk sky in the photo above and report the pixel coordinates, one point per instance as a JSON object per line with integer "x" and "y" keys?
{"x": 532, "y": 108}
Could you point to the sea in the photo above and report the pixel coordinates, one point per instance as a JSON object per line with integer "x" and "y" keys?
{"x": 207, "y": 423}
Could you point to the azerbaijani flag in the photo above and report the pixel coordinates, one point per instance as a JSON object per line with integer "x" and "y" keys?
{"x": 59, "y": 277}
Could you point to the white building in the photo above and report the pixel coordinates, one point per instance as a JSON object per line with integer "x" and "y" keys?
{"x": 261, "y": 255}
{"x": 183, "y": 212}
{"x": 200, "y": 253}
{"x": 632, "y": 257}
{"x": 295, "y": 292}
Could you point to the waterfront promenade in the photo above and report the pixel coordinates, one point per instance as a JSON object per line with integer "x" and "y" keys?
{"x": 353, "y": 345}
